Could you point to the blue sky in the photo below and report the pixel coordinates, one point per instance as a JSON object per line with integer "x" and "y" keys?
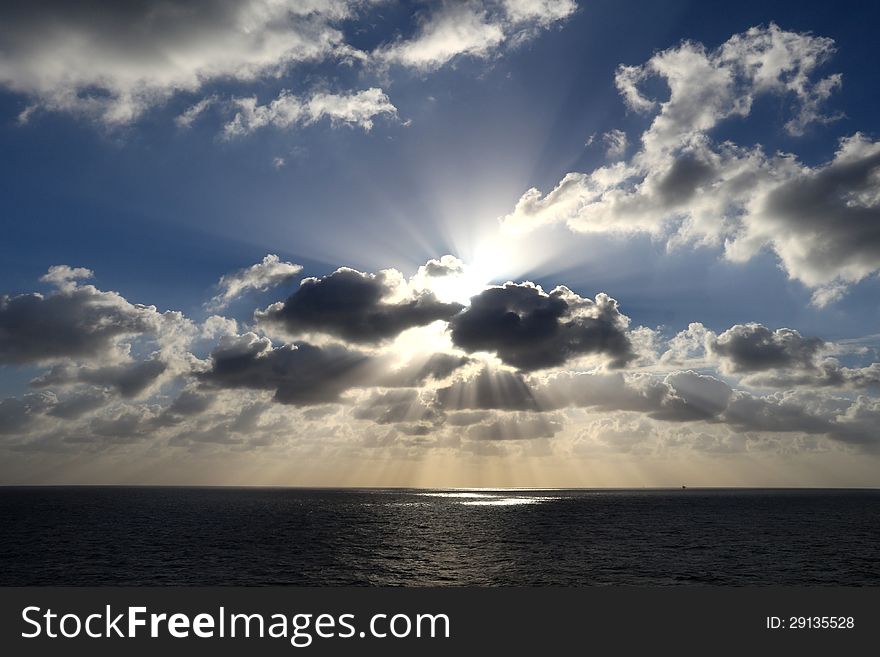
{"x": 159, "y": 211}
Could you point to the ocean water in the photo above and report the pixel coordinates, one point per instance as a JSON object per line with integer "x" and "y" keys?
{"x": 239, "y": 536}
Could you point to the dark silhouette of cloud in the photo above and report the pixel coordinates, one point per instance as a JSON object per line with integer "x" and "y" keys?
{"x": 300, "y": 374}
{"x": 531, "y": 330}
{"x": 73, "y": 322}
{"x": 753, "y": 348}
{"x": 353, "y": 306}
{"x": 128, "y": 379}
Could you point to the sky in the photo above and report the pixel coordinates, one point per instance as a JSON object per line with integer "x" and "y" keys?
{"x": 481, "y": 243}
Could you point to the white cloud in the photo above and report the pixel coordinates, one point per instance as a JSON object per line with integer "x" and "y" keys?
{"x": 271, "y": 272}
{"x": 194, "y": 111}
{"x": 472, "y": 29}
{"x": 615, "y": 144}
{"x": 353, "y": 109}
{"x": 112, "y": 61}
{"x": 684, "y": 187}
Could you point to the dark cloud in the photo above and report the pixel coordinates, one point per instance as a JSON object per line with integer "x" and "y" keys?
{"x": 128, "y": 379}
{"x": 753, "y": 348}
{"x": 128, "y": 426}
{"x": 190, "y": 402}
{"x": 680, "y": 182}
{"x": 825, "y": 223}
{"x": 826, "y": 374}
{"x": 530, "y": 329}
{"x": 693, "y": 396}
{"x": 75, "y": 406}
{"x": 17, "y": 415}
{"x": 775, "y": 413}
{"x": 80, "y": 322}
{"x": 353, "y": 306}
{"x": 299, "y": 374}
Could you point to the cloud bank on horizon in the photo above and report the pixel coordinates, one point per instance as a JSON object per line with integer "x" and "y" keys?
{"x": 450, "y": 359}
{"x": 362, "y": 351}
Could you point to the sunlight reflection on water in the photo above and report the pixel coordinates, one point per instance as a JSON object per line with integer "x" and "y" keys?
{"x": 489, "y": 499}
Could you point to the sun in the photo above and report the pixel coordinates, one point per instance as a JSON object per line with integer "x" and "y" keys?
{"x": 464, "y": 278}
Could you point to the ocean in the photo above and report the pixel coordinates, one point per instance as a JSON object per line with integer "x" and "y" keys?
{"x": 404, "y": 537}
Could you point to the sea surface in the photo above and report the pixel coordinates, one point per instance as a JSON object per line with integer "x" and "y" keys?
{"x": 320, "y": 537}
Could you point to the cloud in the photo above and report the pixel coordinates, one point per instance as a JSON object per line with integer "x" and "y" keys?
{"x": 75, "y": 321}
{"x": 765, "y": 358}
{"x": 117, "y": 374}
{"x": 753, "y": 348}
{"x": 822, "y": 221}
{"x": 190, "y": 402}
{"x": 271, "y": 272}
{"x": 615, "y": 144}
{"x": 447, "y": 265}
{"x": 194, "y": 111}
{"x": 113, "y": 61}
{"x": 826, "y": 373}
{"x": 65, "y": 277}
{"x": 75, "y": 406}
{"x": 489, "y": 390}
{"x": 471, "y": 29}
{"x": 356, "y": 307}
{"x": 518, "y": 426}
{"x": 395, "y": 407}
{"x": 419, "y": 370}
{"x": 16, "y": 415}
{"x": 128, "y": 379}
{"x": 683, "y": 187}
{"x": 287, "y": 110}
{"x": 530, "y": 329}
{"x": 680, "y": 397}
{"x": 299, "y": 374}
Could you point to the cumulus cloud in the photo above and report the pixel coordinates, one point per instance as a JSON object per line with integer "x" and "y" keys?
{"x": 781, "y": 358}
{"x": 128, "y": 379}
{"x": 299, "y": 374}
{"x": 114, "y": 60}
{"x": 271, "y": 272}
{"x": 685, "y": 187}
{"x": 356, "y": 307}
{"x": 75, "y": 321}
{"x": 546, "y": 365}
{"x": 471, "y": 29}
{"x": 753, "y": 347}
{"x": 531, "y": 329}
{"x": 353, "y": 109}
